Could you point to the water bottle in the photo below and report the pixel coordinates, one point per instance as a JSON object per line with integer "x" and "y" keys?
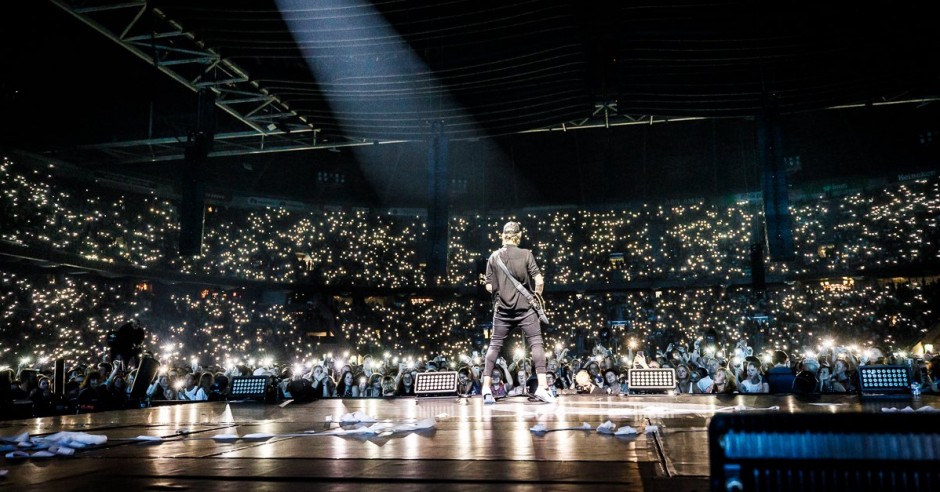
{"x": 915, "y": 390}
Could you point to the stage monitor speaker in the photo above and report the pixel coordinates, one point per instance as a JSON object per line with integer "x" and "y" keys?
{"x": 58, "y": 378}
{"x": 249, "y": 387}
{"x": 656, "y": 380}
{"x": 146, "y": 373}
{"x": 884, "y": 380}
{"x": 436, "y": 384}
{"x": 825, "y": 452}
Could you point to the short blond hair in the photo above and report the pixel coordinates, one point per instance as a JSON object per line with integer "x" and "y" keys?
{"x": 512, "y": 238}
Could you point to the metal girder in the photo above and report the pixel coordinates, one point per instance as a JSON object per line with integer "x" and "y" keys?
{"x": 605, "y": 115}
{"x": 181, "y": 56}
{"x": 224, "y": 145}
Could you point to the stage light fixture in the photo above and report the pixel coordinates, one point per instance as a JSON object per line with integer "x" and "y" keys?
{"x": 882, "y": 380}
{"x": 656, "y": 380}
{"x": 436, "y": 384}
{"x": 249, "y": 387}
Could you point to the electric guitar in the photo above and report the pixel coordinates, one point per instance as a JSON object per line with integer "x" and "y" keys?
{"x": 538, "y": 304}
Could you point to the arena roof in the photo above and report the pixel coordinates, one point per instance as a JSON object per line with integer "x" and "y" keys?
{"x": 101, "y": 82}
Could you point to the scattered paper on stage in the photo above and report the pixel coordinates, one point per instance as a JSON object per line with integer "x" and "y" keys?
{"x": 22, "y": 437}
{"x": 75, "y": 439}
{"x": 626, "y": 431}
{"x": 419, "y": 425}
{"x": 607, "y": 428}
{"x": 258, "y": 436}
{"x": 148, "y": 438}
{"x": 382, "y": 427}
{"x": 62, "y": 450}
{"x": 356, "y": 417}
{"x": 539, "y": 428}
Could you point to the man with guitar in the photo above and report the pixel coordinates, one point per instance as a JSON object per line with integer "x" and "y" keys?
{"x": 514, "y": 279}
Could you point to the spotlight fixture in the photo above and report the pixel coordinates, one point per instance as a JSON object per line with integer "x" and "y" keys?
{"x": 436, "y": 384}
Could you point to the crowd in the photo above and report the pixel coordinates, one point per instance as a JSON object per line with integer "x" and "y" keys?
{"x": 45, "y": 317}
{"x": 827, "y": 324}
{"x": 889, "y": 226}
{"x": 706, "y": 366}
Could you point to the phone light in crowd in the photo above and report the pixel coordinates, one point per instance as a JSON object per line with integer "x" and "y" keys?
{"x": 346, "y": 354}
{"x": 338, "y": 364}
{"x": 251, "y": 363}
{"x": 42, "y": 360}
{"x": 928, "y": 348}
{"x": 395, "y": 360}
{"x": 518, "y": 353}
{"x": 810, "y": 354}
{"x": 387, "y": 355}
{"x": 632, "y": 344}
{"x": 411, "y": 364}
{"x": 709, "y": 351}
{"x": 24, "y": 361}
{"x": 736, "y": 361}
{"x": 766, "y": 357}
{"x": 827, "y": 343}
{"x": 298, "y": 369}
{"x": 362, "y": 380}
{"x": 178, "y": 385}
{"x": 559, "y": 346}
{"x": 266, "y": 362}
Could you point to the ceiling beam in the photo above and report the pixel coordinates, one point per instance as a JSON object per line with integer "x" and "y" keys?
{"x": 185, "y": 59}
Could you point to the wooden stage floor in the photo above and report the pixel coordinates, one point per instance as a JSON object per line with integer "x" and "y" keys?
{"x": 470, "y": 447}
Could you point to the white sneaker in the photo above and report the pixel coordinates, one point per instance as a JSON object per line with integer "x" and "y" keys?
{"x": 488, "y": 399}
{"x": 543, "y": 395}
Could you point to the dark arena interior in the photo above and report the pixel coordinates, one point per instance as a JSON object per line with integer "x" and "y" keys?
{"x": 248, "y": 243}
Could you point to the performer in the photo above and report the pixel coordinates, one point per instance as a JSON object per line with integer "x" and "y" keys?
{"x": 511, "y": 308}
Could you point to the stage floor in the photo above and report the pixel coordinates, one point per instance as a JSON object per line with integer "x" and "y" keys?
{"x": 470, "y": 446}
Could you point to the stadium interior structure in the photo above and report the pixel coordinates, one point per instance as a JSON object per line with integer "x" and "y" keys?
{"x": 281, "y": 185}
